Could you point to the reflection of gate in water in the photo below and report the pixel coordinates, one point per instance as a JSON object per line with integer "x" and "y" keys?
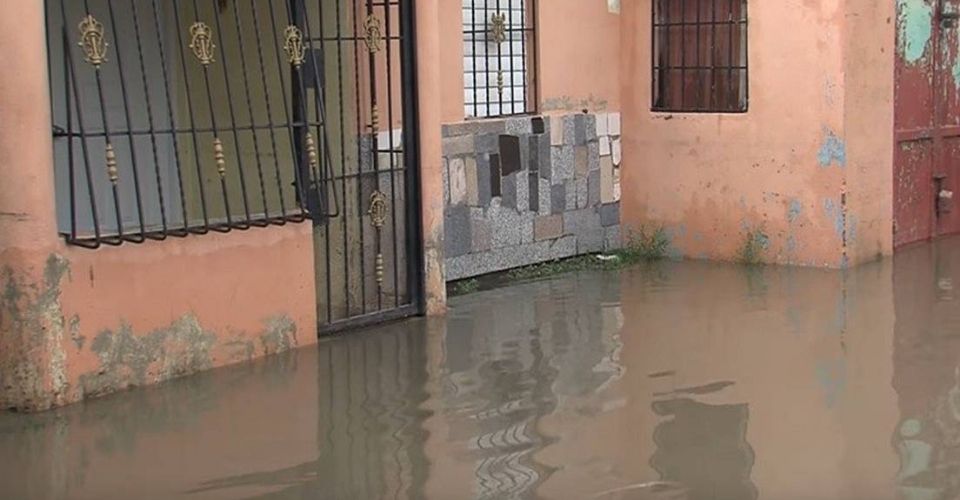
{"x": 181, "y": 117}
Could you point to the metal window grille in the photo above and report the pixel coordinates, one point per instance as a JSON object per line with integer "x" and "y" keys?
{"x": 700, "y": 56}
{"x": 177, "y": 117}
{"x": 500, "y": 57}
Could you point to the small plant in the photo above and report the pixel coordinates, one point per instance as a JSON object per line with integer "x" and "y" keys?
{"x": 754, "y": 244}
{"x": 645, "y": 245}
{"x": 464, "y": 287}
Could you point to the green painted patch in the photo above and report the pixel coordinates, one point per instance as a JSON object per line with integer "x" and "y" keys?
{"x": 914, "y": 29}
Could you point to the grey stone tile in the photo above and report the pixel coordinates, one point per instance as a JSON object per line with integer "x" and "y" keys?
{"x": 510, "y": 160}
{"x": 487, "y": 143}
{"x": 533, "y": 187}
{"x": 500, "y": 259}
{"x": 546, "y": 201}
{"x": 522, "y": 179}
{"x": 593, "y": 155}
{"x": 585, "y": 225}
{"x": 593, "y": 188}
{"x": 582, "y": 192}
{"x": 580, "y": 161}
{"x": 508, "y": 194}
{"x": 506, "y": 226}
{"x": 456, "y": 231}
{"x": 561, "y": 164}
{"x": 571, "y": 191}
{"x": 538, "y": 125}
{"x": 590, "y": 127}
{"x": 445, "y": 173}
{"x": 610, "y": 214}
{"x": 519, "y": 125}
{"x": 527, "y": 234}
{"x": 611, "y": 238}
{"x": 548, "y": 227}
{"x": 480, "y": 235}
{"x": 569, "y": 130}
{"x": 459, "y": 145}
{"x": 474, "y": 127}
{"x": 458, "y": 181}
{"x": 495, "y": 176}
{"x": 558, "y": 198}
{"x": 580, "y": 129}
{"x": 473, "y": 189}
{"x": 483, "y": 180}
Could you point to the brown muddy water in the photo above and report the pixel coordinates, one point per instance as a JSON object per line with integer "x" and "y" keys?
{"x": 674, "y": 380}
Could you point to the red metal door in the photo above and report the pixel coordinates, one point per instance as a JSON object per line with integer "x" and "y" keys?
{"x": 927, "y": 120}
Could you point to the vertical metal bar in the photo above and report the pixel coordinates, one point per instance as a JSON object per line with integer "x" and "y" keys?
{"x": 109, "y": 147}
{"x": 169, "y": 100}
{"x": 509, "y": 29}
{"x": 150, "y": 125}
{"x": 373, "y": 142}
{"x": 731, "y": 23}
{"x": 523, "y": 57}
{"x": 249, "y": 103}
{"x": 333, "y": 187}
{"x": 266, "y": 101}
{"x": 126, "y": 110}
{"x": 392, "y": 147}
{"x": 499, "y": 71}
{"x": 287, "y": 104}
{"x": 343, "y": 163}
{"x": 486, "y": 59}
{"x": 411, "y": 156}
{"x": 193, "y": 121}
{"x": 68, "y": 78}
{"x": 745, "y": 38}
{"x": 72, "y": 77}
{"x": 713, "y": 57}
{"x": 233, "y": 128}
{"x": 683, "y": 54}
{"x": 473, "y": 55}
{"x": 699, "y": 73}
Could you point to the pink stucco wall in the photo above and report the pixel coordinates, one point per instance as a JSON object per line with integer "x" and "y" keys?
{"x": 805, "y": 171}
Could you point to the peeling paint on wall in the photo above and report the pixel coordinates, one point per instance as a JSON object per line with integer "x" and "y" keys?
{"x": 32, "y": 362}
{"x": 613, "y": 6}
{"x": 833, "y": 151}
{"x": 914, "y": 28}
{"x": 834, "y": 213}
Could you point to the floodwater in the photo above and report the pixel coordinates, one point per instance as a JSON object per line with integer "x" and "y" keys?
{"x": 674, "y": 380}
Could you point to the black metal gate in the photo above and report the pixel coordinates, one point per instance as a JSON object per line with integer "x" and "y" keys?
{"x": 175, "y": 118}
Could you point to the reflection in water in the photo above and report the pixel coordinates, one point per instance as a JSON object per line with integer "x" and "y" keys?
{"x": 703, "y": 448}
{"x": 682, "y": 381}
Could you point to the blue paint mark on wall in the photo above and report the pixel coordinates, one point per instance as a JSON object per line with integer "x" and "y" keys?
{"x": 832, "y": 376}
{"x": 794, "y": 209}
{"x": 914, "y": 28}
{"x": 834, "y": 213}
{"x": 832, "y": 151}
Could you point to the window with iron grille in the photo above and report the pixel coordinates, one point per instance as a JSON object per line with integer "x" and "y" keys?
{"x": 700, "y": 56}
{"x": 499, "y": 65}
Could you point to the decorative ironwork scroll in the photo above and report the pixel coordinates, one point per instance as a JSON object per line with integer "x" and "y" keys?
{"x": 201, "y": 41}
{"x": 373, "y": 30}
{"x": 378, "y": 217}
{"x": 92, "y": 42}
{"x": 293, "y": 45}
{"x": 498, "y": 27}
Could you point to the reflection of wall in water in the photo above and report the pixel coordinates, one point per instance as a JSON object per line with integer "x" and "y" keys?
{"x": 703, "y": 449}
{"x": 516, "y": 363}
{"x": 926, "y": 371}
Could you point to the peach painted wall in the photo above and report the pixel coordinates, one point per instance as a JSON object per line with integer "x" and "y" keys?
{"x": 806, "y": 170}
{"x": 579, "y": 56}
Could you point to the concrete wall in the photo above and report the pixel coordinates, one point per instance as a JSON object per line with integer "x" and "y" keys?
{"x": 803, "y": 176}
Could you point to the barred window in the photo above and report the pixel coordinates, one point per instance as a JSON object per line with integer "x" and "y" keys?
{"x": 700, "y": 56}
{"x": 499, "y": 65}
